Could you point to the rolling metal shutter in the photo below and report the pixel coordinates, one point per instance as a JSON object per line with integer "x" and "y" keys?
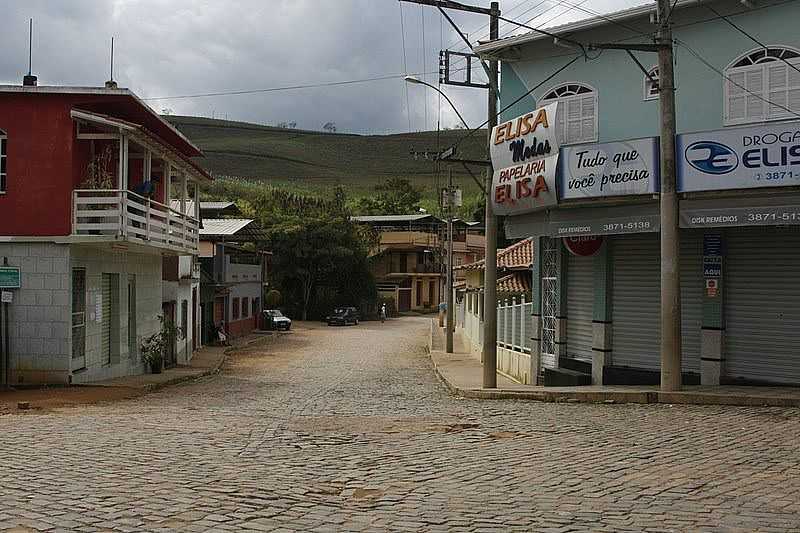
{"x": 762, "y": 305}
{"x": 691, "y": 299}
{"x": 580, "y": 299}
{"x": 636, "y": 301}
{"x": 105, "y": 323}
{"x": 635, "y": 312}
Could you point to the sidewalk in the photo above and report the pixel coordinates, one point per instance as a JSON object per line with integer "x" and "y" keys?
{"x": 206, "y": 361}
{"x": 462, "y": 374}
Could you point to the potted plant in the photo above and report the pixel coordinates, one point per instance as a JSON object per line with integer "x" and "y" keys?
{"x": 97, "y": 176}
{"x": 154, "y": 346}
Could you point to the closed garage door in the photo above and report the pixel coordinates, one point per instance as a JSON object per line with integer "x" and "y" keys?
{"x": 580, "y": 298}
{"x": 637, "y": 295}
{"x": 762, "y": 305}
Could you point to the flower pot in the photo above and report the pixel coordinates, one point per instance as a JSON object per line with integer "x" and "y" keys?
{"x": 155, "y": 368}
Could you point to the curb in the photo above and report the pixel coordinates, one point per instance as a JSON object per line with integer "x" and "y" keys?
{"x": 615, "y": 397}
{"x": 208, "y": 372}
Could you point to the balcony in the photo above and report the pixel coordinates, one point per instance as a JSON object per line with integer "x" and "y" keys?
{"x": 113, "y": 215}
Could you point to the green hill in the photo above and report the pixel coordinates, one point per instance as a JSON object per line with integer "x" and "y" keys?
{"x": 313, "y": 161}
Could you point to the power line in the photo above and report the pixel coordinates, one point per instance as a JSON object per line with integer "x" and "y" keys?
{"x": 743, "y": 32}
{"x": 405, "y": 64}
{"x": 548, "y": 78}
{"x": 721, "y": 73}
{"x": 425, "y": 93}
{"x": 286, "y": 88}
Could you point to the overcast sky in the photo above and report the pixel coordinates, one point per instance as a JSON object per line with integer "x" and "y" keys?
{"x": 185, "y": 47}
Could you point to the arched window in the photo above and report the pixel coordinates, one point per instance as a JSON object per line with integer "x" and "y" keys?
{"x": 3, "y": 162}
{"x": 761, "y": 86}
{"x": 651, "y": 84}
{"x": 576, "y": 120}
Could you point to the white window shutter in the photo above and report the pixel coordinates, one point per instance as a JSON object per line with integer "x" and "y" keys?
{"x": 560, "y": 122}
{"x": 777, "y": 89}
{"x": 793, "y": 89}
{"x": 754, "y": 82}
{"x": 589, "y": 117}
{"x": 574, "y": 120}
{"x": 736, "y": 96}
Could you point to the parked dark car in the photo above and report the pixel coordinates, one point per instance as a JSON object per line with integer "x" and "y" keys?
{"x": 343, "y": 316}
{"x": 276, "y": 320}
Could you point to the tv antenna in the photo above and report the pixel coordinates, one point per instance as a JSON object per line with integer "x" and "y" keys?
{"x": 29, "y": 79}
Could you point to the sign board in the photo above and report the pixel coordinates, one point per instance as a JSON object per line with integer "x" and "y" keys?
{"x": 606, "y": 226}
{"x": 788, "y": 215}
{"x": 712, "y": 266}
{"x": 6, "y": 297}
{"x": 9, "y": 278}
{"x": 712, "y": 288}
{"x": 712, "y": 244}
{"x": 524, "y": 157}
{"x": 609, "y": 169}
{"x": 585, "y": 246}
{"x": 766, "y": 155}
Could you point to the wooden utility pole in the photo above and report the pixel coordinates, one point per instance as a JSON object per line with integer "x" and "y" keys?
{"x": 450, "y": 304}
{"x": 670, "y": 233}
{"x": 490, "y": 273}
{"x": 670, "y": 236}
{"x": 490, "y": 261}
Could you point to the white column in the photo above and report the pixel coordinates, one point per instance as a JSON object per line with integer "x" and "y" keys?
{"x": 522, "y": 324}
{"x": 513, "y": 322}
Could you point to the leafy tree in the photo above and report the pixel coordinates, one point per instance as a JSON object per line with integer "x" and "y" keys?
{"x": 395, "y": 197}
{"x": 330, "y": 127}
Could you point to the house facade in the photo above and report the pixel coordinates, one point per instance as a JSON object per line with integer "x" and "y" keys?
{"x": 85, "y": 218}
{"x": 234, "y": 273}
{"x": 409, "y": 263}
{"x": 596, "y": 271}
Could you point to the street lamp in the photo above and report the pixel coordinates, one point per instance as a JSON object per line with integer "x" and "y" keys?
{"x": 417, "y": 81}
{"x": 450, "y": 304}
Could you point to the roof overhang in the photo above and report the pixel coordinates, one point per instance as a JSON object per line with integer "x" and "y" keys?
{"x": 144, "y": 137}
{"x": 102, "y": 91}
{"x": 492, "y": 49}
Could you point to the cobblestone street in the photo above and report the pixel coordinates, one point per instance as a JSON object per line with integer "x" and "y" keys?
{"x": 341, "y": 429}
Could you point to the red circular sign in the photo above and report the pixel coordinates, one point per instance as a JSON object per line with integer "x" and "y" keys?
{"x": 583, "y": 246}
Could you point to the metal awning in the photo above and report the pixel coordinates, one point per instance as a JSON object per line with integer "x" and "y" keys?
{"x": 603, "y": 220}
{"x": 783, "y": 210}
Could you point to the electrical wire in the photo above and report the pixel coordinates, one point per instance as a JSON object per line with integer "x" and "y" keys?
{"x": 424, "y": 49}
{"x": 743, "y": 32}
{"x": 287, "y": 88}
{"x": 506, "y": 108}
{"x": 708, "y": 64}
{"x": 405, "y": 64}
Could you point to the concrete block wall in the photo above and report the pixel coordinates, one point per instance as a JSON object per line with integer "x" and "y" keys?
{"x": 40, "y": 315}
{"x": 147, "y": 270}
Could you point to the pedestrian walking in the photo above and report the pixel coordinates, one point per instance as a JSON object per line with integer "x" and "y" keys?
{"x": 383, "y": 313}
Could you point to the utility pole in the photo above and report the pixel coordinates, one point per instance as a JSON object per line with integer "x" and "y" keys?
{"x": 490, "y": 260}
{"x": 490, "y": 273}
{"x": 670, "y": 233}
{"x": 670, "y": 237}
{"x": 450, "y": 307}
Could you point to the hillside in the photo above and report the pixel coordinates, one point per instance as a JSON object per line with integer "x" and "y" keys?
{"x": 313, "y": 161}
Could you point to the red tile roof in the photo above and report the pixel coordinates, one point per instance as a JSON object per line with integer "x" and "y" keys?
{"x": 518, "y": 256}
{"x": 517, "y": 282}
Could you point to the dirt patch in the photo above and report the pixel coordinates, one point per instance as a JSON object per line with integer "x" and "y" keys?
{"x": 376, "y": 424}
{"x": 367, "y": 494}
{"x": 49, "y": 398}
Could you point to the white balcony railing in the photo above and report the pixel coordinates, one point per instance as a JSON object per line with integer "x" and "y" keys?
{"x": 125, "y": 214}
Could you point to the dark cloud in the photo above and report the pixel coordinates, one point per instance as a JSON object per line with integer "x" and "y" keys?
{"x": 176, "y": 47}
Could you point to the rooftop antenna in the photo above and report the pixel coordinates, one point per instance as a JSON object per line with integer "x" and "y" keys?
{"x": 111, "y": 84}
{"x": 29, "y": 80}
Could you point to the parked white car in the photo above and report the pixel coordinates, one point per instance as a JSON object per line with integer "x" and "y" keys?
{"x": 279, "y": 321}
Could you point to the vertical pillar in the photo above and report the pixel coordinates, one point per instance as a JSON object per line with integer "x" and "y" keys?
{"x": 712, "y": 335}
{"x": 536, "y": 311}
{"x": 601, "y": 312}
{"x": 561, "y": 312}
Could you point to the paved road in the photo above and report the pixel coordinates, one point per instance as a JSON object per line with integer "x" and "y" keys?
{"x": 334, "y": 429}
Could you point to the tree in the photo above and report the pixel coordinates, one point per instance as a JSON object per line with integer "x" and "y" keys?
{"x": 323, "y": 253}
{"x": 330, "y": 127}
{"x": 395, "y": 197}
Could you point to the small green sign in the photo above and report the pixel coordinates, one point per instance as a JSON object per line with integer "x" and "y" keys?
{"x": 9, "y": 278}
